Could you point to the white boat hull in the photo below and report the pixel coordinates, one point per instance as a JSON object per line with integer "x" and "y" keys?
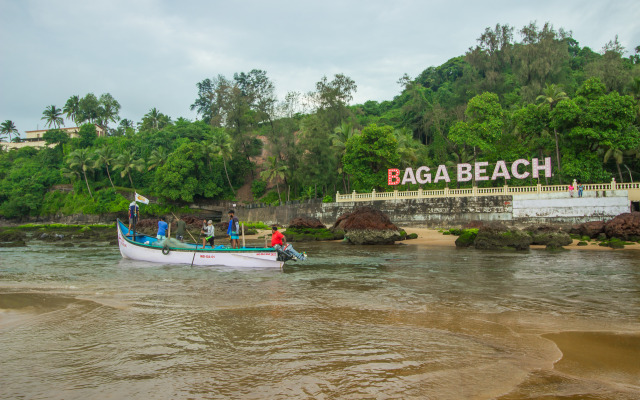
{"x": 238, "y": 258}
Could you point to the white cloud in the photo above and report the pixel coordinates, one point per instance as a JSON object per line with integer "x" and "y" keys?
{"x": 152, "y": 53}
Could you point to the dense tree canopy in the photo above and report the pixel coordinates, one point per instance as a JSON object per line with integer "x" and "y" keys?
{"x": 517, "y": 93}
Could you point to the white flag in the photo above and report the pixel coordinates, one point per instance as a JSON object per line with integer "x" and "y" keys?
{"x": 141, "y": 199}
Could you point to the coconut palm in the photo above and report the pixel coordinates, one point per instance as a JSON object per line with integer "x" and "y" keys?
{"x": 552, "y": 95}
{"x": 275, "y": 170}
{"x": 223, "y": 142}
{"x": 127, "y": 162}
{"x": 157, "y": 158}
{"x": 105, "y": 156}
{"x": 8, "y": 128}
{"x": 618, "y": 157}
{"x": 81, "y": 159}
{"x": 341, "y": 134}
{"x": 72, "y": 109}
{"x": 52, "y": 115}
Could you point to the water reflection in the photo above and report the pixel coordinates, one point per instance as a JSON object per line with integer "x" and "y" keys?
{"x": 352, "y": 322}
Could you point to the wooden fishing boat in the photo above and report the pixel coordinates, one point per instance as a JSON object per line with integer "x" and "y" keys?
{"x": 147, "y": 248}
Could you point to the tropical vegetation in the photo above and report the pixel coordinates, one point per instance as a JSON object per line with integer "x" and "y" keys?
{"x": 540, "y": 96}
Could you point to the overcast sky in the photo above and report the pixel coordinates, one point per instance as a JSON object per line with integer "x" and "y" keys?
{"x": 151, "y": 53}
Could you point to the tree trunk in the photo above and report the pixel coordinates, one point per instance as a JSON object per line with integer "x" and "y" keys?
{"x": 227, "y": 173}
{"x": 109, "y": 175}
{"x": 131, "y": 180}
{"x": 630, "y": 176}
{"x": 555, "y": 132}
{"x": 619, "y": 172}
{"x": 87, "y": 182}
{"x": 278, "y": 187}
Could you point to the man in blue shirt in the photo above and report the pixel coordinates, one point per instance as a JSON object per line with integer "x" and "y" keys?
{"x": 162, "y": 229}
{"x": 234, "y": 229}
{"x": 134, "y": 212}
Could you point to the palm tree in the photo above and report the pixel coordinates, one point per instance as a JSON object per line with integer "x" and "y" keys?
{"x": 80, "y": 159}
{"x": 105, "y": 156}
{"x": 157, "y": 158}
{"x": 52, "y": 115}
{"x": 128, "y": 162}
{"x": 618, "y": 157}
{"x": 224, "y": 144}
{"x": 8, "y": 128}
{"x": 552, "y": 95}
{"x": 72, "y": 109}
{"x": 108, "y": 110}
{"x": 276, "y": 171}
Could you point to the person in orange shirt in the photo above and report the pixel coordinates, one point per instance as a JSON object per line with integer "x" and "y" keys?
{"x": 279, "y": 241}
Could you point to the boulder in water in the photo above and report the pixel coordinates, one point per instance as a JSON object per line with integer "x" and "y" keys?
{"x": 306, "y": 222}
{"x": 497, "y": 236}
{"x": 624, "y": 226}
{"x": 367, "y": 225}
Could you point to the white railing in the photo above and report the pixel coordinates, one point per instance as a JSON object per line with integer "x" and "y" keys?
{"x": 476, "y": 191}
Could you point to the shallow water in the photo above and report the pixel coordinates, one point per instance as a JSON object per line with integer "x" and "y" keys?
{"x": 351, "y": 322}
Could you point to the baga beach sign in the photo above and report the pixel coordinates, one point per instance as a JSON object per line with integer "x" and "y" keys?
{"x": 478, "y": 171}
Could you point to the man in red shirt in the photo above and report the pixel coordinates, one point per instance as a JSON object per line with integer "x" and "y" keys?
{"x": 277, "y": 237}
{"x": 278, "y": 241}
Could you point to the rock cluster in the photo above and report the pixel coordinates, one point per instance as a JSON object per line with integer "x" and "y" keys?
{"x": 367, "y": 225}
{"x": 625, "y": 226}
{"x": 497, "y": 236}
{"x": 548, "y": 235}
{"x": 306, "y": 222}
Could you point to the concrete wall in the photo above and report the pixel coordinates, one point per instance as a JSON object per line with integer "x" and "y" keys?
{"x": 458, "y": 211}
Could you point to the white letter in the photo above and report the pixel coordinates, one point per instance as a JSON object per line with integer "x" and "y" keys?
{"x": 479, "y": 171}
{"x": 442, "y": 174}
{"x": 408, "y": 176}
{"x": 514, "y": 169}
{"x": 423, "y": 178}
{"x": 464, "y": 173}
{"x": 500, "y": 171}
{"x": 546, "y": 167}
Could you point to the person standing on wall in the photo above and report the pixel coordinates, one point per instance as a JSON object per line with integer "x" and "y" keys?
{"x": 234, "y": 229}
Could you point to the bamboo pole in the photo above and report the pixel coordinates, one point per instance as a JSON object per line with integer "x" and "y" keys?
{"x": 243, "y": 246}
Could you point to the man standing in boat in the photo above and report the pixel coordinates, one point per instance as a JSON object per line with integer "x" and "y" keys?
{"x": 209, "y": 234}
{"x": 134, "y": 212}
{"x": 162, "y": 229}
{"x": 234, "y": 229}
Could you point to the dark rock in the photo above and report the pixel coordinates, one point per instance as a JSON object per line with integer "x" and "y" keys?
{"x": 306, "y": 222}
{"x": 591, "y": 229}
{"x": 497, "y": 236}
{"x": 367, "y": 225}
{"x": 548, "y": 235}
{"x": 473, "y": 225}
{"x": 623, "y": 226}
{"x": 12, "y": 236}
{"x": 601, "y": 236}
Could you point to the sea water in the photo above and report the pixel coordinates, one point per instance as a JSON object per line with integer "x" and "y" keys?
{"x": 352, "y": 322}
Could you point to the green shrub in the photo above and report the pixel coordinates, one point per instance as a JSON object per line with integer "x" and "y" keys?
{"x": 584, "y": 238}
{"x": 412, "y": 236}
{"x": 258, "y": 188}
{"x": 582, "y": 243}
{"x": 456, "y": 231}
{"x": 256, "y": 225}
{"x": 327, "y": 199}
{"x": 446, "y": 233}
